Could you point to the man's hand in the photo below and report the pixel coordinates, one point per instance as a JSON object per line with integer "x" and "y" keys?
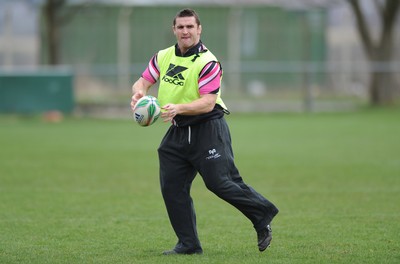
{"x": 170, "y": 111}
{"x": 139, "y": 89}
{"x": 136, "y": 96}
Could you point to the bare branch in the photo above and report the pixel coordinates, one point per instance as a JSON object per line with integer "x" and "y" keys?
{"x": 391, "y": 11}
{"x": 362, "y": 27}
{"x": 388, "y": 21}
{"x": 379, "y": 7}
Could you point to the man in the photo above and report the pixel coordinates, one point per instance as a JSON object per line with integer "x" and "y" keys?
{"x": 198, "y": 141}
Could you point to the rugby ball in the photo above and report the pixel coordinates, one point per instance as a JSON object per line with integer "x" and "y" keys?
{"x": 147, "y": 110}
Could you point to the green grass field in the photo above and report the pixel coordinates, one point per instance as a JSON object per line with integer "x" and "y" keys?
{"x": 87, "y": 191}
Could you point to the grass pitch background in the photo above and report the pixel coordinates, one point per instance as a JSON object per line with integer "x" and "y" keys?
{"x": 87, "y": 191}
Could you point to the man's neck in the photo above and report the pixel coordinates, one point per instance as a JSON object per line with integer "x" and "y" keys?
{"x": 187, "y": 52}
{"x": 183, "y": 51}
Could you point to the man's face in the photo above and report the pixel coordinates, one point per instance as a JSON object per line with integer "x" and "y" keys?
{"x": 187, "y": 32}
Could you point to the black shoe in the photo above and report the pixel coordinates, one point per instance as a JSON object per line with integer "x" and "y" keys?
{"x": 264, "y": 237}
{"x": 188, "y": 252}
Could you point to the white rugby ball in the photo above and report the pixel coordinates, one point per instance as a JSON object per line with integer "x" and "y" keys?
{"x": 147, "y": 110}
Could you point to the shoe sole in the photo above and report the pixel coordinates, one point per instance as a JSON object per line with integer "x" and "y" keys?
{"x": 268, "y": 243}
{"x": 173, "y": 252}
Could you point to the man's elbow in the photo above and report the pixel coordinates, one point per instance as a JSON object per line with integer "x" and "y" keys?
{"x": 208, "y": 102}
{"x": 209, "y": 107}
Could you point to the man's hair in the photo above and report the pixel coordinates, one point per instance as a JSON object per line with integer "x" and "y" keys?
{"x": 187, "y": 12}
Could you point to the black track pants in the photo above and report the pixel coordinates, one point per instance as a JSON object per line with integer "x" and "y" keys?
{"x": 206, "y": 149}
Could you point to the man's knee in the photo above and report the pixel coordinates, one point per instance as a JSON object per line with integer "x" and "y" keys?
{"x": 217, "y": 186}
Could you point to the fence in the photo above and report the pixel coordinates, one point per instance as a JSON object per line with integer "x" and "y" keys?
{"x": 264, "y": 86}
{"x": 273, "y": 59}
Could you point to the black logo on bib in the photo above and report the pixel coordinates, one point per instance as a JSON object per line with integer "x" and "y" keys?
{"x": 174, "y": 75}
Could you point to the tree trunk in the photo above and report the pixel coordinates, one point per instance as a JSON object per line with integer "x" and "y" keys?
{"x": 381, "y": 87}
{"x": 53, "y": 36}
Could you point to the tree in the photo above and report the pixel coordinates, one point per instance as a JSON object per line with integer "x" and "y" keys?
{"x": 379, "y": 51}
{"x": 382, "y": 85}
{"x": 55, "y": 16}
{"x": 51, "y": 13}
